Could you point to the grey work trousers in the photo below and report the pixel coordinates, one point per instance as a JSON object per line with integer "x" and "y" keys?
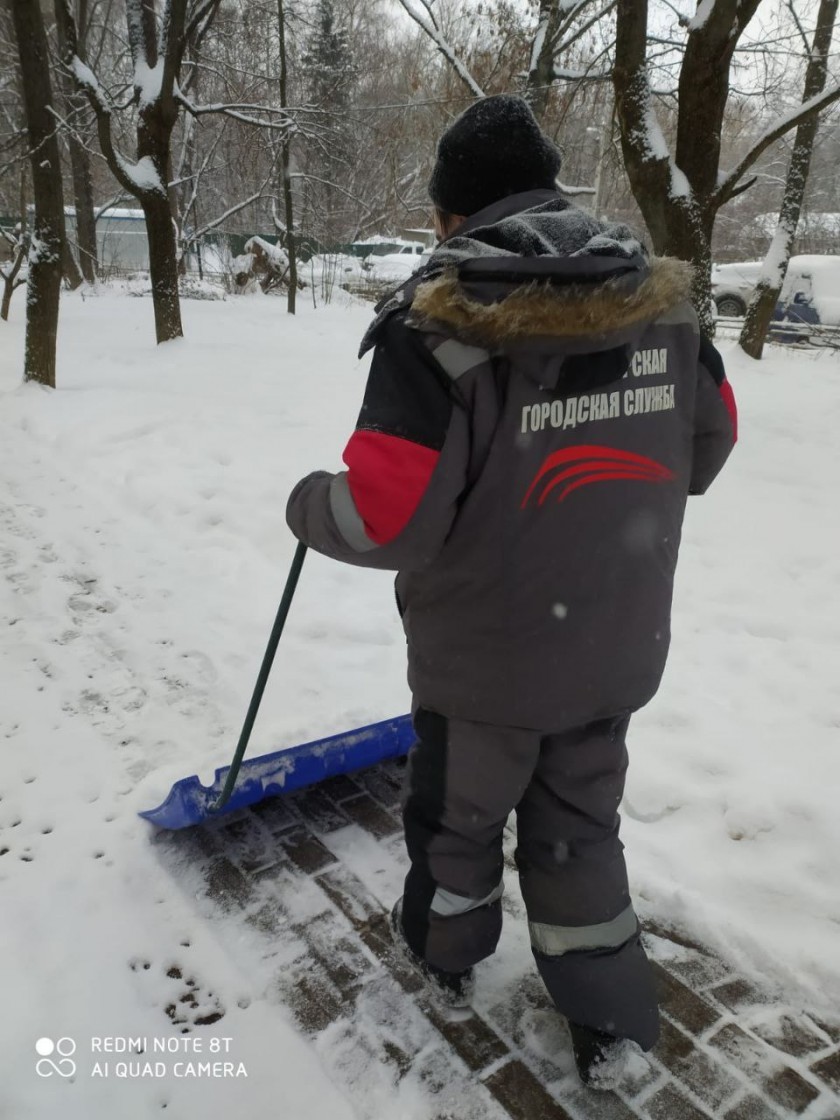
{"x": 463, "y": 780}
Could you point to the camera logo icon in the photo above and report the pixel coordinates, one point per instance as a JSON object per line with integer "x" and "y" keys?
{"x": 62, "y": 1064}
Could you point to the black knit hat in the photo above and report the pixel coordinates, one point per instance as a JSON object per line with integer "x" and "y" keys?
{"x": 495, "y": 148}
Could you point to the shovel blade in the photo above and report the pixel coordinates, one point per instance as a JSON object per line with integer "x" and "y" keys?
{"x": 190, "y": 803}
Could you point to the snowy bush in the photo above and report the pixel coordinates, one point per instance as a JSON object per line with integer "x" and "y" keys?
{"x": 193, "y": 287}
{"x": 261, "y": 264}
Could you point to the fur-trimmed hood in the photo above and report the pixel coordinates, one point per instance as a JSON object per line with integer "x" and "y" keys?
{"x": 531, "y": 270}
{"x": 552, "y": 309}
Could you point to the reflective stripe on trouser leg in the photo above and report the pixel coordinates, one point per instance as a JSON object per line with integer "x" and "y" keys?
{"x": 554, "y": 941}
{"x": 584, "y": 931}
{"x": 599, "y": 976}
{"x": 447, "y": 904}
{"x": 462, "y": 781}
{"x": 608, "y": 989}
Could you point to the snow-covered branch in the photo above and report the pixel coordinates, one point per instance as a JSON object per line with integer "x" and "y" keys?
{"x": 285, "y": 124}
{"x": 89, "y": 84}
{"x": 429, "y": 25}
{"x": 135, "y": 177}
{"x": 208, "y": 226}
{"x": 811, "y": 107}
{"x": 572, "y": 191}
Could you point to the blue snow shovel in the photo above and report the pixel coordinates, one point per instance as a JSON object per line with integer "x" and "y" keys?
{"x": 189, "y": 802}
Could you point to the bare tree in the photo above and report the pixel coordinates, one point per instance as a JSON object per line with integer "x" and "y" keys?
{"x": 156, "y": 59}
{"x": 158, "y": 41}
{"x": 47, "y": 241}
{"x": 763, "y": 303}
{"x": 680, "y": 196}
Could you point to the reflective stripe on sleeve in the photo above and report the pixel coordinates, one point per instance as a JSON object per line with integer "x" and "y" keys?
{"x": 347, "y": 518}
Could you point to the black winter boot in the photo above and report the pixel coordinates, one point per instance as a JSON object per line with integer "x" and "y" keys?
{"x": 599, "y": 1057}
{"x": 452, "y": 990}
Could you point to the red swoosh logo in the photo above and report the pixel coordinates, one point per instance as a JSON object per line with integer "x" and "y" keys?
{"x": 590, "y": 463}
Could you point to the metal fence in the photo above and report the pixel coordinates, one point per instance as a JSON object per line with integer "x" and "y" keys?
{"x": 794, "y": 334}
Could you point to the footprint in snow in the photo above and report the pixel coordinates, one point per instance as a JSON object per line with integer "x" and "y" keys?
{"x": 190, "y": 1003}
{"x": 84, "y": 603}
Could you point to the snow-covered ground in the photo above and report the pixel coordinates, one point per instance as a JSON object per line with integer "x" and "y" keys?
{"x": 143, "y": 549}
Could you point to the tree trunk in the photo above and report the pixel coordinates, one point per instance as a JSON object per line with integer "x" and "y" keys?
{"x": 678, "y": 208}
{"x": 285, "y": 170}
{"x": 44, "y": 283}
{"x": 759, "y": 316}
{"x": 155, "y": 123}
{"x": 77, "y": 106}
{"x": 541, "y": 71}
{"x": 83, "y": 201}
{"x": 73, "y": 276}
{"x": 79, "y": 155}
{"x": 82, "y": 187}
{"x": 763, "y": 303}
{"x": 289, "y": 218}
{"x": 688, "y": 240}
{"x": 69, "y": 266}
{"x": 163, "y": 266}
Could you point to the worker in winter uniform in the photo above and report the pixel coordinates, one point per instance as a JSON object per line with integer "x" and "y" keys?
{"x": 539, "y": 407}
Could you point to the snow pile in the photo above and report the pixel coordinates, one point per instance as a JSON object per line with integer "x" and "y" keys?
{"x": 142, "y": 555}
{"x": 274, "y": 255}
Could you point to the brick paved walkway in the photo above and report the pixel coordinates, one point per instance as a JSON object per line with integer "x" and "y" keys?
{"x": 311, "y": 875}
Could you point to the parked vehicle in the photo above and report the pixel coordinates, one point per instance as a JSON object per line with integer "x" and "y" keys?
{"x": 733, "y": 285}
{"x": 810, "y": 294}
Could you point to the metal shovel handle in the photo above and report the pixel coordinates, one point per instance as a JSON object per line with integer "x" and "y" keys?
{"x": 262, "y": 679}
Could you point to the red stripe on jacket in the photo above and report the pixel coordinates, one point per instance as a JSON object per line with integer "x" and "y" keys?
{"x": 731, "y": 406}
{"x": 387, "y": 477}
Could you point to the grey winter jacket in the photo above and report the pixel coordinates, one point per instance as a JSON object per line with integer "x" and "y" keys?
{"x": 539, "y": 407}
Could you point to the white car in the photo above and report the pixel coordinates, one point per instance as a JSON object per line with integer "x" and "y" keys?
{"x": 812, "y": 281}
